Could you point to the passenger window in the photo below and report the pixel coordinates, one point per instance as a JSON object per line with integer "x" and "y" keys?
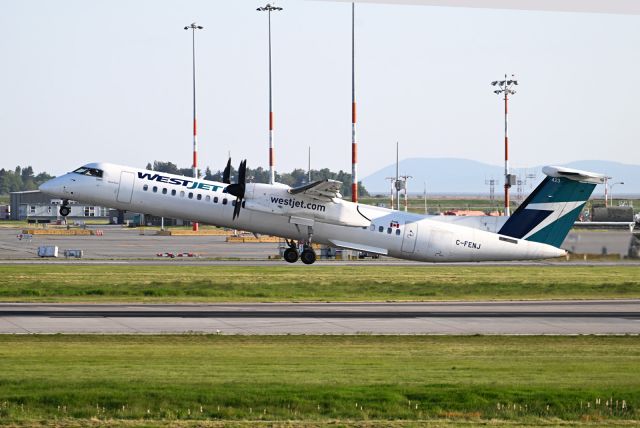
{"x": 164, "y": 190}
{"x": 190, "y": 195}
{"x": 145, "y": 187}
{"x": 398, "y": 232}
{"x": 373, "y": 227}
{"x": 389, "y": 230}
{"x": 155, "y": 189}
{"x": 224, "y": 201}
{"x": 381, "y": 229}
{"x": 199, "y": 197}
{"x": 208, "y": 198}
{"x": 173, "y": 192}
{"x": 215, "y": 199}
{"x": 182, "y": 193}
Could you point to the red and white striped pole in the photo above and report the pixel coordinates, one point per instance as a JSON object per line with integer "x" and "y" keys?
{"x": 272, "y": 161}
{"x": 193, "y": 28}
{"x": 354, "y": 143}
{"x": 506, "y": 87}
{"x": 507, "y": 183}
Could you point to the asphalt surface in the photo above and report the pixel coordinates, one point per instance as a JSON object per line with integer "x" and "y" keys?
{"x": 134, "y": 245}
{"x": 513, "y": 317}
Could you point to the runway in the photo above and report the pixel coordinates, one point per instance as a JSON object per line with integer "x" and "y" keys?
{"x": 463, "y": 318}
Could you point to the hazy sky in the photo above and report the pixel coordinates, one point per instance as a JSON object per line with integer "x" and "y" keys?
{"x": 111, "y": 80}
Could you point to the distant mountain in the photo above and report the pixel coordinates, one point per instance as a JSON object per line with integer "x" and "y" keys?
{"x": 464, "y": 176}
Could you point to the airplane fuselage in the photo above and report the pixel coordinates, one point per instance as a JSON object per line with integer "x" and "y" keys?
{"x": 272, "y": 210}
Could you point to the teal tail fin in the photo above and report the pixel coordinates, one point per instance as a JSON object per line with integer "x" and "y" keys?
{"x": 548, "y": 214}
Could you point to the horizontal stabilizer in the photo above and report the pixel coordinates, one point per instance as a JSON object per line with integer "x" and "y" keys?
{"x": 574, "y": 174}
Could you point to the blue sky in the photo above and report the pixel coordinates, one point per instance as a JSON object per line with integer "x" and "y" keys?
{"x": 111, "y": 80}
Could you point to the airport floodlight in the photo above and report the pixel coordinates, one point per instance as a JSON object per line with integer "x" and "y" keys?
{"x": 193, "y": 27}
{"x": 506, "y": 87}
{"x": 272, "y": 174}
{"x": 269, "y": 7}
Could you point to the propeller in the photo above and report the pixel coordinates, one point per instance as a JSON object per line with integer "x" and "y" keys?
{"x": 238, "y": 189}
{"x": 227, "y": 173}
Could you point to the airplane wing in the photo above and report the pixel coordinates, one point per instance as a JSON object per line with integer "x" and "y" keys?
{"x": 324, "y": 190}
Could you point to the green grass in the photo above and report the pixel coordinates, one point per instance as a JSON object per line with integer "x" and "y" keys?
{"x": 99, "y": 283}
{"x": 319, "y": 378}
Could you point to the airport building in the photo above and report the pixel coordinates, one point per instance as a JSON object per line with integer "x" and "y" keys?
{"x": 34, "y": 205}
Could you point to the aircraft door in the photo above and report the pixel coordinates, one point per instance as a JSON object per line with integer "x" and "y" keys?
{"x": 410, "y": 237}
{"x": 440, "y": 244}
{"x": 125, "y": 191}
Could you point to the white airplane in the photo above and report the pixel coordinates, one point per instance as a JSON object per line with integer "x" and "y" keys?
{"x": 317, "y": 213}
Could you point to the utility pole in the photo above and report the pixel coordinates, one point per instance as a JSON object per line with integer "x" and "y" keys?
{"x": 193, "y": 27}
{"x": 392, "y": 180}
{"x": 506, "y": 87}
{"x": 426, "y": 212}
{"x": 398, "y": 184}
{"x": 272, "y": 177}
{"x": 309, "y": 166}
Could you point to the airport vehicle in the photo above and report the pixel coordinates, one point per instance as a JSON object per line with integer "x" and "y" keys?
{"x": 316, "y": 212}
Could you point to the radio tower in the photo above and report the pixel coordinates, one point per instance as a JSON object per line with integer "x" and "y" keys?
{"x": 492, "y": 188}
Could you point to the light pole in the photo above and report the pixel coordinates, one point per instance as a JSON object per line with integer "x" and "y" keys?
{"x": 193, "y": 27}
{"x": 611, "y": 190}
{"x": 506, "y": 87}
{"x": 354, "y": 142}
{"x": 270, "y": 8}
{"x": 405, "y": 179}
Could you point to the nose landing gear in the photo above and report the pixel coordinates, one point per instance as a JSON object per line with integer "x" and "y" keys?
{"x": 65, "y": 209}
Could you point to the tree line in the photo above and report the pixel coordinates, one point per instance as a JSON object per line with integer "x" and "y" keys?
{"x": 21, "y": 179}
{"x": 295, "y": 178}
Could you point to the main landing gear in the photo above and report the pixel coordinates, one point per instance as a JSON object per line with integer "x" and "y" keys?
{"x": 65, "y": 209}
{"x": 307, "y": 256}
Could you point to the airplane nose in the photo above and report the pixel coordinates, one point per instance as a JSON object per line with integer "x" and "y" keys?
{"x": 50, "y": 187}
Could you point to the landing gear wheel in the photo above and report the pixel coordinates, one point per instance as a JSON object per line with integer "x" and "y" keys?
{"x": 308, "y": 256}
{"x": 65, "y": 210}
{"x": 291, "y": 255}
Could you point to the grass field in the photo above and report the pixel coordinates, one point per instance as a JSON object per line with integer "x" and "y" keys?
{"x": 101, "y": 283}
{"x": 319, "y": 378}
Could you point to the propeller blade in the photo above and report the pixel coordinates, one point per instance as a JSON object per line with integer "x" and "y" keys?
{"x": 236, "y": 209}
{"x": 242, "y": 173}
{"x": 238, "y": 189}
{"x": 227, "y": 173}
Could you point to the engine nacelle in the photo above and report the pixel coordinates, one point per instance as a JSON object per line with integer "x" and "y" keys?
{"x": 275, "y": 199}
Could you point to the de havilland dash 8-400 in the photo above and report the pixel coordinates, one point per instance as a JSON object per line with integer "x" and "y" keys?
{"x": 317, "y": 213}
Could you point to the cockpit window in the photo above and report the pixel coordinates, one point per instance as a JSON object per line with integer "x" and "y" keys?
{"x": 92, "y": 172}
